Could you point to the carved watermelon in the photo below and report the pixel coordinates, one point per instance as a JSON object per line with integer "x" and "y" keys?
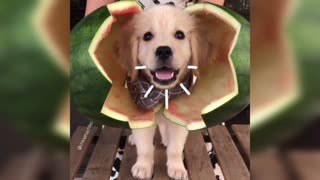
{"x": 97, "y": 79}
{"x": 34, "y": 79}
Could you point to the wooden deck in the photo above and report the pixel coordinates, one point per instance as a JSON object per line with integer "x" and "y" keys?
{"x": 233, "y": 159}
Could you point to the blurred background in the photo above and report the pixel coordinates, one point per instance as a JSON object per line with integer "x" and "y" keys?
{"x": 34, "y": 88}
{"x": 34, "y": 95}
{"x": 284, "y": 90}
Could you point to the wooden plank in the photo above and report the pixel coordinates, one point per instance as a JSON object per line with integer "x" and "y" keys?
{"x": 229, "y": 158}
{"x": 26, "y": 166}
{"x": 268, "y": 165}
{"x": 305, "y": 164}
{"x": 79, "y": 146}
{"x": 59, "y": 169}
{"x": 128, "y": 159}
{"x": 102, "y": 159}
{"x": 197, "y": 158}
{"x": 243, "y": 135}
{"x": 160, "y": 159}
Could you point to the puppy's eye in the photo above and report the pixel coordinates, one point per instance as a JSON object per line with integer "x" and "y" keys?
{"x": 147, "y": 36}
{"x": 179, "y": 35}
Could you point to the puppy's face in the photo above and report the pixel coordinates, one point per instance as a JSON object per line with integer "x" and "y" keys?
{"x": 162, "y": 39}
{"x": 164, "y": 44}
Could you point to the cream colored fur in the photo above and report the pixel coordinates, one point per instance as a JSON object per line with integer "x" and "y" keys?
{"x": 173, "y": 137}
{"x": 163, "y": 22}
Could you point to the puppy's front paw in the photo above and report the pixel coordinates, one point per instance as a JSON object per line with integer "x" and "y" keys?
{"x": 131, "y": 140}
{"x": 177, "y": 171}
{"x": 142, "y": 170}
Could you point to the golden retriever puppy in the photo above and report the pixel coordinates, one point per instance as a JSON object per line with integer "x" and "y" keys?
{"x": 164, "y": 40}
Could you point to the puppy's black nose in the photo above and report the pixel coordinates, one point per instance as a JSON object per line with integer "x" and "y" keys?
{"x": 163, "y": 52}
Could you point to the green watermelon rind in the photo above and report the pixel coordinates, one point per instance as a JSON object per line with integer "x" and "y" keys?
{"x": 32, "y": 84}
{"x": 89, "y": 88}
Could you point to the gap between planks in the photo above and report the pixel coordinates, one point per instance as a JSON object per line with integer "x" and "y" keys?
{"x": 77, "y": 155}
{"x": 102, "y": 159}
{"x": 197, "y": 159}
{"x": 229, "y": 158}
{"x": 242, "y": 133}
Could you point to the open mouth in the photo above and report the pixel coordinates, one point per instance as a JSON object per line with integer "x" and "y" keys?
{"x": 164, "y": 75}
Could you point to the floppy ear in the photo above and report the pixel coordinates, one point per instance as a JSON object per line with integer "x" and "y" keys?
{"x": 127, "y": 50}
{"x": 201, "y": 48}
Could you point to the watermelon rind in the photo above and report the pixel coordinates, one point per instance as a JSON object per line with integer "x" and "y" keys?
{"x": 226, "y": 18}
{"x": 33, "y": 82}
{"x": 90, "y": 84}
{"x": 241, "y": 60}
{"x": 44, "y": 13}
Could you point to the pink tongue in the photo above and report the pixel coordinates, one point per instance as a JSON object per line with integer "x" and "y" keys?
{"x": 164, "y": 75}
